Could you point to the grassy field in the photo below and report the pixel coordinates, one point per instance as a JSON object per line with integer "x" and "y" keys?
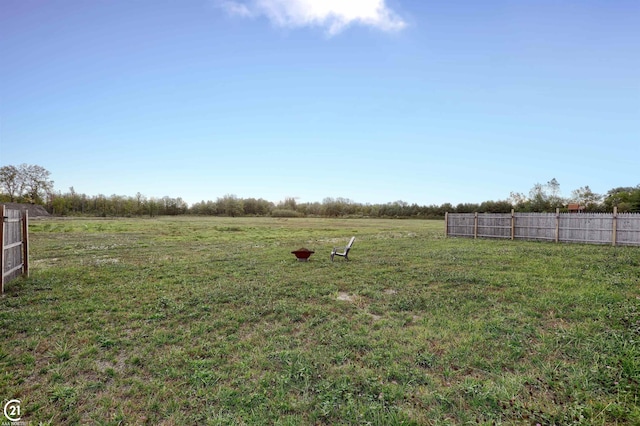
{"x": 185, "y": 321}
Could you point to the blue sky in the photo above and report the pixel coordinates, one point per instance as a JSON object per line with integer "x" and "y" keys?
{"x": 371, "y": 100}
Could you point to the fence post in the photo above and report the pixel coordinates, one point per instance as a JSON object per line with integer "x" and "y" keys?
{"x": 2, "y": 249}
{"x": 25, "y": 243}
{"x": 446, "y": 224}
{"x": 513, "y": 224}
{"x": 557, "y": 224}
{"x": 614, "y": 228}
{"x": 475, "y": 225}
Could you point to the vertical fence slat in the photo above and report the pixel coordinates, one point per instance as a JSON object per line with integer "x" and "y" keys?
{"x": 446, "y": 224}
{"x": 513, "y": 224}
{"x": 25, "y": 243}
{"x": 475, "y": 225}
{"x": 614, "y": 226}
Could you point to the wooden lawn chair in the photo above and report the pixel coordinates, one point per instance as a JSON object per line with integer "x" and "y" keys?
{"x": 345, "y": 253}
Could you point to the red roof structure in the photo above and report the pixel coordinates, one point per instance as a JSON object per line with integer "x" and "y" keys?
{"x": 575, "y": 208}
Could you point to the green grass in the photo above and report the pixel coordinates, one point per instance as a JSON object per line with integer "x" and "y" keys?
{"x": 181, "y": 321}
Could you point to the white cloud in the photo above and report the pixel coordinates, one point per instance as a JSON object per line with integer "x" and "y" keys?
{"x": 334, "y": 15}
{"x": 235, "y": 8}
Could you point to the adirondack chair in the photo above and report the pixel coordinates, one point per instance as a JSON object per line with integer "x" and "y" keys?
{"x": 344, "y": 254}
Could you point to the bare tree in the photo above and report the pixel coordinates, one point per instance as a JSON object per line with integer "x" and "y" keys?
{"x": 26, "y": 182}
{"x": 11, "y": 182}
{"x": 37, "y": 185}
{"x": 585, "y": 196}
{"x": 554, "y": 198}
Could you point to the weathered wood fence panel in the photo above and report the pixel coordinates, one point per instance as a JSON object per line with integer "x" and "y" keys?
{"x": 628, "y": 229}
{"x": 462, "y": 226}
{"x": 533, "y": 226}
{"x": 494, "y": 225}
{"x": 14, "y": 241}
{"x": 591, "y": 228}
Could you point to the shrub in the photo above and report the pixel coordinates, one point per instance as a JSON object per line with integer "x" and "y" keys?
{"x": 285, "y": 213}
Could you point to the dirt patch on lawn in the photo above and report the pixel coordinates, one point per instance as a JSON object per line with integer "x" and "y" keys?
{"x": 346, "y": 297}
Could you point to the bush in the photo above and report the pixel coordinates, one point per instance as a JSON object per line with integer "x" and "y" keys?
{"x": 285, "y": 213}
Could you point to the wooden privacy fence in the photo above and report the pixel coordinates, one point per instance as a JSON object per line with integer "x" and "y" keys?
{"x": 618, "y": 229}
{"x": 14, "y": 238}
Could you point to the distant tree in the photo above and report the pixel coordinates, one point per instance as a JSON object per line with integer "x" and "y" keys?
{"x": 330, "y": 207}
{"x": 289, "y": 203}
{"x": 635, "y": 200}
{"x": 369, "y": 210}
{"x": 586, "y": 197}
{"x": 398, "y": 208}
{"x": 11, "y": 182}
{"x": 30, "y": 183}
{"x": 117, "y": 205}
{"x": 444, "y": 208}
{"x": 518, "y": 200}
{"x": 544, "y": 198}
{"x": 467, "y": 208}
{"x": 256, "y": 207}
{"x": 495, "y": 207}
{"x": 172, "y": 206}
{"x": 554, "y": 188}
{"x": 60, "y": 205}
{"x": 554, "y": 198}
{"x": 314, "y": 209}
{"x": 230, "y": 205}
{"x": 152, "y": 207}
{"x": 347, "y": 206}
{"x": 204, "y": 208}
{"x": 140, "y": 200}
{"x": 538, "y": 199}
{"x": 37, "y": 185}
{"x": 625, "y": 198}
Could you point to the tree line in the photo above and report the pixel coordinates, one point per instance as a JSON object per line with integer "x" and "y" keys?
{"x": 32, "y": 184}
{"x": 25, "y": 183}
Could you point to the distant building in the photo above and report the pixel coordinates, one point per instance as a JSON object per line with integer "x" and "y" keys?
{"x": 575, "y": 208}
